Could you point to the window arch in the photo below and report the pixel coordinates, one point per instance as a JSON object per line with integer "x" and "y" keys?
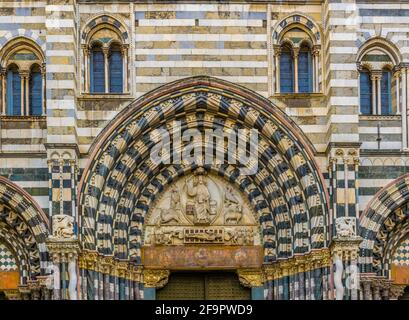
{"x": 105, "y": 56}
{"x": 301, "y": 36}
{"x": 22, "y": 79}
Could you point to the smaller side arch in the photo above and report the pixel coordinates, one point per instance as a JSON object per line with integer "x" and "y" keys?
{"x": 378, "y": 220}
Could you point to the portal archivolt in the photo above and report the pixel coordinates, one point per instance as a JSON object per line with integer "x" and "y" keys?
{"x": 121, "y": 182}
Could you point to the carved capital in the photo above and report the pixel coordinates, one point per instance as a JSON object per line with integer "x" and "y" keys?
{"x": 155, "y": 278}
{"x": 250, "y": 277}
{"x": 395, "y": 291}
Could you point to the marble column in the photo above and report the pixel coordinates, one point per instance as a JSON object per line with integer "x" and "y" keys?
{"x": 277, "y": 53}
{"x": 105, "y": 50}
{"x": 296, "y": 52}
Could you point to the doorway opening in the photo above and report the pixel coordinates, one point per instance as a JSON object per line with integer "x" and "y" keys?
{"x": 203, "y": 286}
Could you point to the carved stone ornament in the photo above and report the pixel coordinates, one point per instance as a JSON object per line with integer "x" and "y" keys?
{"x": 63, "y": 227}
{"x": 200, "y": 209}
{"x": 154, "y": 278}
{"x": 345, "y": 227}
{"x": 250, "y": 278}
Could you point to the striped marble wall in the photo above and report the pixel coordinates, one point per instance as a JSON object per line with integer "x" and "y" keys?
{"x": 231, "y": 41}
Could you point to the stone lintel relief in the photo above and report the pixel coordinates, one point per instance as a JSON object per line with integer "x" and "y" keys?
{"x": 201, "y": 209}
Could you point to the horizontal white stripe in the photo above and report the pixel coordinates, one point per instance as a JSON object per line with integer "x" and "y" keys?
{"x": 199, "y": 37}
{"x": 344, "y": 137}
{"x": 222, "y": 52}
{"x": 373, "y": 183}
{"x": 342, "y": 36}
{"x": 28, "y": 4}
{"x": 22, "y": 148}
{"x": 314, "y": 128}
{"x": 60, "y": 121}
{"x": 33, "y": 184}
{"x": 383, "y": 19}
{"x": 166, "y": 22}
{"x": 23, "y": 163}
{"x": 23, "y": 133}
{"x": 60, "y": 84}
{"x": 306, "y": 112}
{"x": 342, "y": 6}
{"x": 343, "y": 118}
{"x": 96, "y": 115}
{"x": 59, "y": 7}
{"x": 384, "y": 145}
{"x": 22, "y": 19}
{"x": 88, "y": 132}
{"x": 384, "y": 130}
{"x": 199, "y": 7}
{"x": 60, "y": 68}
{"x": 201, "y": 64}
{"x": 241, "y": 79}
{"x": 348, "y": 50}
{"x": 343, "y": 83}
{"x": 59, "y": 23}
{"x": 60, "y": 53}
{"x": 344, "y": 101}
{"x": 60, "y": 104}
{"x": 343, "y": 66}
{"x": 230, "y": 23}
{"x": 60, "y": 38}
{"x": 66, "y": 138}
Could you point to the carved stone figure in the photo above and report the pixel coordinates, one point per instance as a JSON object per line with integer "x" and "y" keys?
{"x": 233, "y": 208}
{"x": 199, "y": 198}
{"x": 345, "y": 227}
{"x": 173, "y": 213}
{"x": 63, "y": 226}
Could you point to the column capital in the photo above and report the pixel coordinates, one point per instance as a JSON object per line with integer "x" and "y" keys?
{"x": 155, "y": 278}
{"x": 250, "y": 277}
{"x": 277, "y": 50}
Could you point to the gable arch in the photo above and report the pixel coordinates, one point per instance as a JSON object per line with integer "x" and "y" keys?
{"x": 291, "y": 198}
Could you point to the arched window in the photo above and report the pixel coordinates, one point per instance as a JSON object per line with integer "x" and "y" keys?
{"x": 24, "y": 79}
{"x": 286, "y": 70}
{"x": 97, "y": 70}
{"x": 365, "y": 91}
{"x": 386, "y": 97}
{"x": 35, "y": 88}
{"x": 379, "y": 87}
{"x": 13, "y": 91}
{"x": 305, "y": 77}
{"x": 297, "y": 62}
{"x": 105, "y": 50}
{"x": 115, "y": 69}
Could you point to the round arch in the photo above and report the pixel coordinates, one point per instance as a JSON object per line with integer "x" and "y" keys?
{"x": 380, "y": 225}
{"x": 120, "y": 182}
{"x": 25, "y": 227}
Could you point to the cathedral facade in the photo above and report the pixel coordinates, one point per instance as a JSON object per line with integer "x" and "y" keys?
{"x": 108, "y": 110}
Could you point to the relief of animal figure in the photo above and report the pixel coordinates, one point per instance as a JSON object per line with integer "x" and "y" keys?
{"x": 233, "y": 214}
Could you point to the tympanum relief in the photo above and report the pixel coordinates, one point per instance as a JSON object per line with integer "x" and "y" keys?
{"x": 201, "y": 209}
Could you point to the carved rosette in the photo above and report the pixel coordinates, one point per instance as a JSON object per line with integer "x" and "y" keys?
{"x": 154, "y": 278}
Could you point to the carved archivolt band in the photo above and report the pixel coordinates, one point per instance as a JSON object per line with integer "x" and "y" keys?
{"x": 109, "y": 265}
{"x": 314, "y": 260}
{"x": 250, "y": 277}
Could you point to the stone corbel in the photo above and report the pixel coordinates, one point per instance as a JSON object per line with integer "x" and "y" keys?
{"x": 250, "y": 278}
{"x": 155, "y": 278}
